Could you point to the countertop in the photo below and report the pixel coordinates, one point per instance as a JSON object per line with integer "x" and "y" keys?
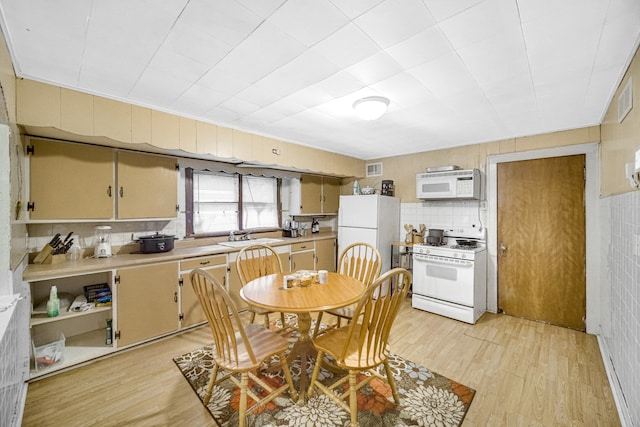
{"x": 35, "y": 272}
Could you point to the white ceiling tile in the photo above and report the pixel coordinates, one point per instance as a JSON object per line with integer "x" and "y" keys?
{"x": 262, "y": 8}
{"x": 444, "y": 76}
{"x": 306, "y": 69}
{"x": 375, "y": 68}
{"x": 444, "y": 9}
{"x": 308, "y": 21}
{"x": 393, "y": 21}
{"x": 346, "y": 46}
{"x": 423, "y": 47}
{"x": 496, "y": 59}
{"x": 198, "y": 99}
{"x": 355, "y": 8}
{"x": 292, "y": 69}
{"x": 500, "y": 17}
{"x": 267, "y": 50}
{"x": 340, "y": 84}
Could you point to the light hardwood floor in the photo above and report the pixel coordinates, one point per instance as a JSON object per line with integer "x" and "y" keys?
{"x": 524, "y": 373}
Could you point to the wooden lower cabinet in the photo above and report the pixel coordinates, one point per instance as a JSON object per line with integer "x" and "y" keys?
{"x": 326, "y": 254}
{"x": 190, "y": 309}
{"x": 302, "y": 256}
{"x": 234, "y": 278}
{"x": 147, "y": 304}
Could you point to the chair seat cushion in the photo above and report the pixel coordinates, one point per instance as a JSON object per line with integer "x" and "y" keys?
{"x": 333, "y": 341}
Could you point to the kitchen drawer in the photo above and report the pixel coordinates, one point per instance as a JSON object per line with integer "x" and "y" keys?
{"x": 305, "y": 246}
{"x": 207, "y": 261}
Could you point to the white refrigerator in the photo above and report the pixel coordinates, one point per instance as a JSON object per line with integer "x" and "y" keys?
{"x": 372, "y": 219}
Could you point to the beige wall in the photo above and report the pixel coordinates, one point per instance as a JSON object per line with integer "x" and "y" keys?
{"x": 14, "y": 242}
{"x": 403, "y": 169}
{"x": 51, "y": 111}
{"x": 620, "y": 140}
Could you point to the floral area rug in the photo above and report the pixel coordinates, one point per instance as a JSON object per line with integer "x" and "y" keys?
{"x": 426, "y": 398}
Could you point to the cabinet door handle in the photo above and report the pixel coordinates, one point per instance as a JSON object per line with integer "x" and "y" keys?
{"x": 175, "y": 297}
{"x": 503, "y": 249}
{"x": 204, "y": 262}
{"x": 121, "y": 191}
{"x": 109, "y": 191}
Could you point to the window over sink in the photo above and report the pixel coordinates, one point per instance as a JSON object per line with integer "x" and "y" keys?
{"x": 220, "y": 202}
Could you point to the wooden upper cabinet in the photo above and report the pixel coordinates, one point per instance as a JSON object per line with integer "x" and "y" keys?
{"x": 147, "y": 186}
{"x": 319, "y": 195}
{"x": 70, "y": 181}
{"x": 310, "y": 194}
{"x": 330, "y": 194}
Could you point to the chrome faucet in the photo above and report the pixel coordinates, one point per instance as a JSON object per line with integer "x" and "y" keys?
{"x": 240, "y": 236}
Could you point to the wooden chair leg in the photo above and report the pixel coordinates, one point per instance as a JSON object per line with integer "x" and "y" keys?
{"x": 284, "y": 324}
{"x": 353, "y": 398}
{"x": 316, "y": 371}
{"x": 253, "y": 317}
{"x": 392, "y": 382}
{"x": 212, "y": 381}
{"x": 338, "y": 324}
{"x": 287, "y": 375}
{"x": 266, "y": 321}
{"x": 317, "y": 328}
{"x": 242, "y": 412}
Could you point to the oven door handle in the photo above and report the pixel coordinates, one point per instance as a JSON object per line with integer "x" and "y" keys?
{"x": 445, "y": 263}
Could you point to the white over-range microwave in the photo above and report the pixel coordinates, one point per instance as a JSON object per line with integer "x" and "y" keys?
{"x": 454, "y": 184}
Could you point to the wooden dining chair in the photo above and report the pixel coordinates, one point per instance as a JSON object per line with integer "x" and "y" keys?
{"x": 362, "y": 345}
{"x": 256, "y": 261}
{"x": 361, "y": 261}
{"x": 239, "y": 349}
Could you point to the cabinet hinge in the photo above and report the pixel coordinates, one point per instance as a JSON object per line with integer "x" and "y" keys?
{"x": 30, "y": 149}
{"x": 116, "y": 279}
{"x": 181, "y": 317}
{"x": 31, "y": 206}
{"x": 177, "y": 167}
{"x": 117, "y": 335}
{"x": 180, "y": 281}
{"x": 178, "y": 208}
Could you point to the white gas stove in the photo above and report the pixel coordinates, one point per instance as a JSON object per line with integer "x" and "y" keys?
{"x": 449, "y": 278}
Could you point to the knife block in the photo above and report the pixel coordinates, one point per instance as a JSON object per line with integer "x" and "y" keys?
{"x": 44, "y": 253}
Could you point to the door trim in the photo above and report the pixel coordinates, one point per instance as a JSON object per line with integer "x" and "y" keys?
{"x": 592, "y": 193}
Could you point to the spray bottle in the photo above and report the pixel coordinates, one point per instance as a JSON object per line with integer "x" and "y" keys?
{"x": 53, "y": 305}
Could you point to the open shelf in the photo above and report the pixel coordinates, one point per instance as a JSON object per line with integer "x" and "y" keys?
{"x": 41, "y": 319}
{"x": 78, "y": 349}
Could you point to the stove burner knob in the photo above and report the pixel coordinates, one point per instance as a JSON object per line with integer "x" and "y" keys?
{"x": 463, "y": 256}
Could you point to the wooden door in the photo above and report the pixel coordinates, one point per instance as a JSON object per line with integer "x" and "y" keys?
{"x": 302, "y": 260}
{"x": 311, "y": 194}
{"x": 147, "y": 186}
{"x": 541, "y": 240}
{"x": 70, "y": 181}
{"x": 330, "y": 195}
{"x": 147, "y": 303}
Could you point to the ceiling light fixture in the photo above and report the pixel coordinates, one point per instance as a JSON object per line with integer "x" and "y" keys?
{"x": 371, "y": 107}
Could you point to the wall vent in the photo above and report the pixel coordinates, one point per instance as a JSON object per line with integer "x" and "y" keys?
{"x": 625, "y": 101}
{"x": 374, "y": 169}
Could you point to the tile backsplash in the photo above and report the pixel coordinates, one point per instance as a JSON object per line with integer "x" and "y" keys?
{"x": 443, "y": 213}
{"x": 620, "y": 216}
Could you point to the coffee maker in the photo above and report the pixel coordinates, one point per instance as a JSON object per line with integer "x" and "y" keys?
{"x": 103, "y": 242}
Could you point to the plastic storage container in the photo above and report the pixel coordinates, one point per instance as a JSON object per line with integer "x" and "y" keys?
{"x": 48, "y": 349}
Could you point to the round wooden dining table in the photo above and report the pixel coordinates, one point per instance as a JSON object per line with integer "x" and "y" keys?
{"x": 268, "y": 292}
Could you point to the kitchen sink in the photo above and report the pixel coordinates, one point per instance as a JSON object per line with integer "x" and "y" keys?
{"x": 241, "y": 243}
